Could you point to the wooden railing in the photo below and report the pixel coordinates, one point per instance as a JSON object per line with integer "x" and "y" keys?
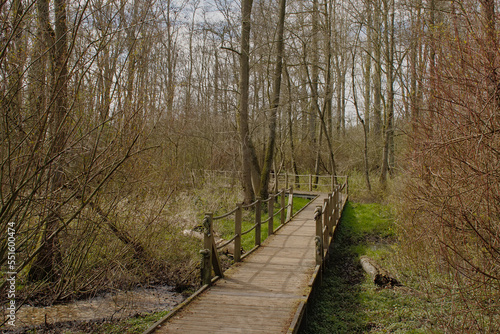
{"x": 210, "y": 252}
{"x": 307, "y": 182}
{"x": 326, "y": 217}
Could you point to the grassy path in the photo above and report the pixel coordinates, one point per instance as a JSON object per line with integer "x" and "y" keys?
{"x": 348, "y": 301}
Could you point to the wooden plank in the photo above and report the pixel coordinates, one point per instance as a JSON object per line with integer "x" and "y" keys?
{"x": 262, "y": 293}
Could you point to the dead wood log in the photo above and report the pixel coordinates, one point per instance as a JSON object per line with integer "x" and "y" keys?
{"x": 379, "y": 275}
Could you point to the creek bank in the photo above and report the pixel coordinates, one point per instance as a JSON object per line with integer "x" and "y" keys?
{"x": 109, "y": 307}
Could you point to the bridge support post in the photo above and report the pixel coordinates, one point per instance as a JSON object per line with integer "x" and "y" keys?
{"x": 326, "y": 223}
{"x": 206, "y": 261}
{"x": 282, "y": 205}
{"x": 210, "y": 258}
{"x": 310, "y": 182}
{"x": 270, "y": 211}
{"x": 237, "y": 232}
{"x": 289, "y": 213}
{"x": 258, "y": 221}
{"x": 331, "y": 205}
{"x": 339, "y": 200}
{"x": 319, "y": 236}
{"x": 336, "y": 205}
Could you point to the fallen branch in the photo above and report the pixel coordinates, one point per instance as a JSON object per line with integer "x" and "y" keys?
{"x": 379, "y": 275}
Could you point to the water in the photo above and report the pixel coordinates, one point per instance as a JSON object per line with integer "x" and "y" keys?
{"x": 110, "y": 306}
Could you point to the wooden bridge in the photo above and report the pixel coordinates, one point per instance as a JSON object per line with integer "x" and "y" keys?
{"x": 267, "y": 289}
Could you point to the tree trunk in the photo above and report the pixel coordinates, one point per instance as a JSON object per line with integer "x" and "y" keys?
{"x": 268, "y": 160}
{"x": 389, "y": 58}
{"x": 290, "y": 128}
{"x": 377, "y": 79}
{"x": 363, "y": 123}
{"x": 46, "y": 263}
{"x": 379, "y": 276}
{"x": 367, "y": 73}
{"x": 489, "y": 26}
{"x": 247, "y": 149}
{"x": 314, "y": 107}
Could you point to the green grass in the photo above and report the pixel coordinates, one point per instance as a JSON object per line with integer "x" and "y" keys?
{"x": 135, "y": 325}
{"x": 347, "y": 300}
{"x": 225, "y": 227}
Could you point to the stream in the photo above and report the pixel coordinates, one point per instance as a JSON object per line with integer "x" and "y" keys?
{"x": 114, "y": 305}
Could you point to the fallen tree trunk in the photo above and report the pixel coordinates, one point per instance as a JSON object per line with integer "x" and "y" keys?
{"x": 378, "y": 274}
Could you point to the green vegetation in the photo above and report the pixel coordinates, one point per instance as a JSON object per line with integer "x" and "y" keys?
{"x": 347, "y": 300}
{"x": 141, "y": 322}
{"x": 133, "y": 325}
{"x": 225, "y": 227}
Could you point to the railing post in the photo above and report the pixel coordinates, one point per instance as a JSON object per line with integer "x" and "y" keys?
{"x": 270, "y": 211}
{"x": 326, "y": 219}
{"x": 282, "y": 205}
{"x": 333, "y": 183}
{"x": 337, "y": 203}
{"x": 286, "y": 180}
{"x": 335, "y": 200}
{"x": 346, "y": 185}
{"x": 206, "y": 262}
{"x": 257, "y": 221}
{"x": 310, "y": 182}
{"x": 289, "y": 212}
{"x": 237, "y": 232}
{"x": 331, "y": 205}
{"x": 275, "y": 187}
{"x": 318, "y": 239}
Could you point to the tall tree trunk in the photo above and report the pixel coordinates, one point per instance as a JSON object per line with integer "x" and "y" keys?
{"x": 363, "y": 123}
{"x": 389, "y": 58}
{"x": 433, "y": 22}
{"x": 14, "y": 64}
{"x": 414, "y": 63}
{"x": 377, "y": 76}
{"x": 328, "y": 105}
{"x": 45, "y": 266}
{"x": 247, "y": 149}
{"x": 290, "y": 127}
{"x": 367, "y": 73}
{"x": 489, "y": 26}
{"x": 268, "y": 160}
{"x": 313, "y": 79}
{"x": 170, "y": 64}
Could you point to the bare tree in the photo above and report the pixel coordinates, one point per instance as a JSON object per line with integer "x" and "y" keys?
{"x": 268, "y": 160}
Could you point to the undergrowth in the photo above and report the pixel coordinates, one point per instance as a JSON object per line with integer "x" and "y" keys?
{"x": 183, "y": 257}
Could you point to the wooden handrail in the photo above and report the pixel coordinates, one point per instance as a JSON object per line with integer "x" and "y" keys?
{"x": 326, "y": 216}
{"x": 210, "y": 252}
{"x": 310, "y": 184}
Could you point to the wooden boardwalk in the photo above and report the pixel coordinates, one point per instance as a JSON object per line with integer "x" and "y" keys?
{"x": 265, "y": 293}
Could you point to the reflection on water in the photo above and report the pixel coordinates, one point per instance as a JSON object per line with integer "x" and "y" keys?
{"x": 111, "y": 305}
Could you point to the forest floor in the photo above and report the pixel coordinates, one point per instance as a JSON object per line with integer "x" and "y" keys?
{"x": 348, "y": 301}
